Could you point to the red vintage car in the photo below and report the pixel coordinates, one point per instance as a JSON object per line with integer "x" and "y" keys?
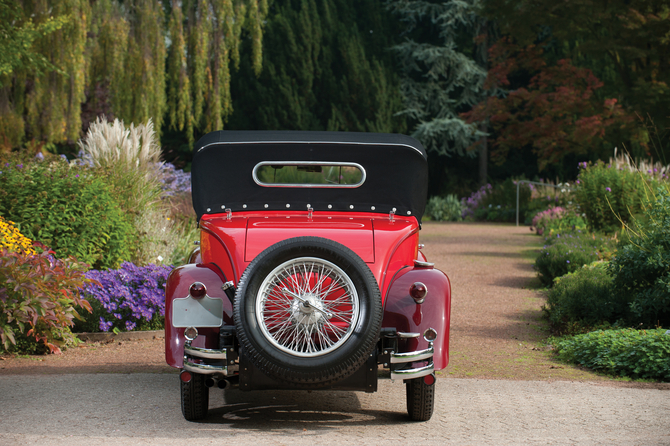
{"x": 309, "y": 273}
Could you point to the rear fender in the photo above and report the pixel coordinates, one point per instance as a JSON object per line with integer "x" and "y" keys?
{"x": 178, "y": 284}
{"x": 404, "y": 314}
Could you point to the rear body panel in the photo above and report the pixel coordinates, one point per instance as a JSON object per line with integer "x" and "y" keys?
{"x": 389, "y": 248}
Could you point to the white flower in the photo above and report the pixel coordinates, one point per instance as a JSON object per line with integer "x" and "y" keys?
{"x": 159, "y": 258}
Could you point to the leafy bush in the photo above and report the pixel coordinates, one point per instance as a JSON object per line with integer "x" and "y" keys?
{"x": 40, "y": 293}
{"x": 624, "y": 352}
{"x": 130, "y": 298}
{"x": 584, "y": 299}
{"x": 608, "y": 195}
{"x": 444, "y": 208}
{"x": 642, "y": 267}
{"x": 566, "y": 253}
{"x": 557, "y": 220}
{"x": 474, "y": 201}
{"x": 67, "y": 208}
{"x": 497, "y": 203}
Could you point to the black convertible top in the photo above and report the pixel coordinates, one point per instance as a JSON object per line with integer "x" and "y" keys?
{"x": 396, "y": 172}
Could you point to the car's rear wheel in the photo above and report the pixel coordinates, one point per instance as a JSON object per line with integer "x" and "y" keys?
{"x": 420, "y": 399}
{"x": 308, "y": 311}
{"x": 194, "y": 398}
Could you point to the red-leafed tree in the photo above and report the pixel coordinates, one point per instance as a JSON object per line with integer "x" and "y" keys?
{"x": 557, "y": 113}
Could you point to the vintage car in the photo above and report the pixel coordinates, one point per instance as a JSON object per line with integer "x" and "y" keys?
{"x": 309, "y": 273}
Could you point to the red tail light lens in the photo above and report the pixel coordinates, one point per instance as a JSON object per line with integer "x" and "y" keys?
{"x": 198, "y": 290}
{"x": 418, "y": 292}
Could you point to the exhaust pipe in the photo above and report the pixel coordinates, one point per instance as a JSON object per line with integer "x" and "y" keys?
{"x": 216, "y": 382}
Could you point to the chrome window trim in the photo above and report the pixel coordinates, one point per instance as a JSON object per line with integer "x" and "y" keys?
{"x": 312, "y": 142}
{"x": 254, "y": 174}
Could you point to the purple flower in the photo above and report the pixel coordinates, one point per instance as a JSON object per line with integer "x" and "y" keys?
{"x": 567, "y": 261}
{"x": 608, "y": 189}
{"x": 129, "y": 295}
{"x": 76, "y": 176}
{"x": 39, "y": 156}
{"x": 578, "y": 182}
{"x": 19, "y": 166}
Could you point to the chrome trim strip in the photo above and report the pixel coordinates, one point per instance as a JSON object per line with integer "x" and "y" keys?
{"x": 205, "y": 369}
{"x": 413, "y": 373}
{"x": 254, "y": 174}
{"x": 418, "y": 355}
{"x": 204, "y": 352}
{"x": 421, "y": 264}
{"x": 312, "y": 142}
{"x": 403, "y": 335}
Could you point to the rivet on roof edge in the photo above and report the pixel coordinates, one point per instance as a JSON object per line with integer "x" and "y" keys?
{"x": 409, "y": 212}
{"x": 244, "y": 206}
{"x": 373, "y": 208}
{"x": 266, "y": 206}
{"x": 351, "y": 206}
{"x": 223, "y": 206}
{"x": 330, "y": 206}
{"x": 288, "y": 205}
{"x": 209, "y": 209}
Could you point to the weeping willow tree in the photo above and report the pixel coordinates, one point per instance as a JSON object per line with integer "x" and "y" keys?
{"x": 41, "y": 91}
{"x": 66, "y": 62}
{"x": 326, "y": 66}
{"x": 206, "y": 37}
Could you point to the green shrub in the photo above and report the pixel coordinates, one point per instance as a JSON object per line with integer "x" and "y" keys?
{"x": 557, "y": 220}
{"x": 67, "y": 208}
{"x": 38, "y": 296}
{"x": 607, "y": 195}
{"x": 566, "y": 253}
{"x": 584, "y": 299}
{"x": 444, "y": 208}
{"x": 626, "y": 352}
{"x": 641, "y": 269}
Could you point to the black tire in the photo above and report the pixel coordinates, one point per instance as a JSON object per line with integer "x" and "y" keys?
{"x": 194, "y": 398}
{"x": 279, "y": 329}
{"x": 420, "y": 399}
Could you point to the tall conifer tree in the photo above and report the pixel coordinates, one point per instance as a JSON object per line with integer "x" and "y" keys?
{"x": 442, "y": 76}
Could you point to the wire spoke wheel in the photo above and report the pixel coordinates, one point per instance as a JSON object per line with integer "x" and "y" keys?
{"x": 307, "y": 311}
{"x": 307, "y": 307}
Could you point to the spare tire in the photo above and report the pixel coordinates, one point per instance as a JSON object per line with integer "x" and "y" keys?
{"x": 308, "y": 311}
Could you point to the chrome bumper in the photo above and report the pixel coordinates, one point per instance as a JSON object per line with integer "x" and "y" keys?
{"x": 401, "y": 364}
{"x": 211, "y": 361}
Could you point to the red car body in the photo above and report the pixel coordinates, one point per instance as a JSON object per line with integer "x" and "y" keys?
{"x": 415, "y": 298}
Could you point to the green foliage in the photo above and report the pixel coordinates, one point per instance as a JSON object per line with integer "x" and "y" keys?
{"x": 69, "y": 209}
{"x": 557, "y": 220}
{"x": 642, "y": 267}
{"x": 443, "y": 71}
{"x": 568, "y": 252}
{"x": 33, "y": 104}
{"x": 39, "y": 293}
{"x": 444, "y": 208}
{"x": 641, "y": 354}
{"x": 584, "y": 299}
{"x": 497, "y": 203}
{"x": 609, "y": 196}
{"x": 325, "y": 67}
{"x": 17, "y": 35}
{"x": 110, "y": 56}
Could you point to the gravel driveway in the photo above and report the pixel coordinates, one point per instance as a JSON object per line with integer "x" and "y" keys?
{"x": 501, "y": 386}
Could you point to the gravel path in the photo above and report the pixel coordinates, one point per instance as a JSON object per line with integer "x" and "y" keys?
{"x": 130, "y": 409}
{"x": 501, "y": 387}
